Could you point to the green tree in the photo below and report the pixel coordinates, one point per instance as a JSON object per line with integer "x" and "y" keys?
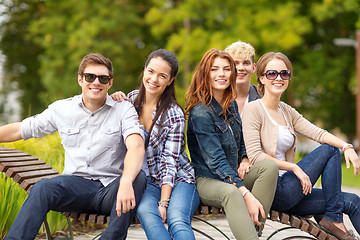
{"x": 68, "y": 30}
{"x": 323, "y": 87}
{"x": 191, "y": 27}
{"x": 325, "y": 82}
{"x": 45, "y": 41}
{"x": 22, "y": 63}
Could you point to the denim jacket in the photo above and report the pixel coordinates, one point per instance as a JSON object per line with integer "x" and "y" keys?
{"x": 216, "y": 146}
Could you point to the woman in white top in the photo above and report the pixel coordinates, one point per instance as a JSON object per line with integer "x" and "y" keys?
{"x": 269, "y": 127}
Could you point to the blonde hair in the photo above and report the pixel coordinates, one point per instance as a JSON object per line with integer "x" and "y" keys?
{"x": 241, "y": 49}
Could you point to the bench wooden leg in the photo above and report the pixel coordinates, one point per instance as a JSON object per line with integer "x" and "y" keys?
{"x": 48, "y": 233}
{"x": 71, "y": 233}
{"x": 47, "y": 230}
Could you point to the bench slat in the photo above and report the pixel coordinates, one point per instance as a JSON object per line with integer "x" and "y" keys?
{"x": 205, "y": 210}
{"x": 10, "y": 151}
{"x": 274, "y": 215}
{"x": 16, "y": 154}
{"x": 322, "y": 235}
{"x": 17, "y": 158}
{"x": 28, "y": 183}
{"x": 5, "y": 165}
{"x": 304, "y": 225}
{"x": 284, "y": 218}
{"x": 92, "y": 218}
{"x": 84, "y": 217}
{"x": 313, "y": 230}
{"x": 295, "y": 221}
{"x": 101, "y": 219}
{"x": 19, "y": 177}
{"x": 11, "y": 172}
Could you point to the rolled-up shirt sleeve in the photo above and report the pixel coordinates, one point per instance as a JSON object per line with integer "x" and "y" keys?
{"x": 130, "y": 122}
{"x": 39, "y": 125}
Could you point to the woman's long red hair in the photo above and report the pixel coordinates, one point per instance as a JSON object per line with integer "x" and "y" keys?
{"x": 200, "y": 90}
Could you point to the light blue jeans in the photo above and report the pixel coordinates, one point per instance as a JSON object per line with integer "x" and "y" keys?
{"x": 183, "y": 202}
{"x": 324, "y": 161}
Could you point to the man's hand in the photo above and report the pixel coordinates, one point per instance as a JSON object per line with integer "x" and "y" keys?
{"x": 125, "y": 197}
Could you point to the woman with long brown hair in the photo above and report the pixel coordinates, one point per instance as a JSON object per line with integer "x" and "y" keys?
{"x": 170, "y": 194}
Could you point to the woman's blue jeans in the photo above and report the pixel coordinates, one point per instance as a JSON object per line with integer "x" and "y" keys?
{"x": 74, "y": 194}
{"x": 183, "y": 202}
{"x": 324, "y": 161}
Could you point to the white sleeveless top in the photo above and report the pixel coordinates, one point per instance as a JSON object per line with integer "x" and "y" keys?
{"x": 285, "y": 138}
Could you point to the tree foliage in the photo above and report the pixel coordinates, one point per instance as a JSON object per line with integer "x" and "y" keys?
{"x": 22, "y": 53}
{"x": 326, "y": 76}
{"x": 68, "y": 31}
{"x": 49, "y": 38}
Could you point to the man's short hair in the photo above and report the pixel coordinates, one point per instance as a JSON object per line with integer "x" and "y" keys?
{"x": 241, "y": 49}
{"x": 96, "y": 58}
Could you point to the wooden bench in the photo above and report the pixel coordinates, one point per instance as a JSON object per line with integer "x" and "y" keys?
{"x": 26, "y": 170}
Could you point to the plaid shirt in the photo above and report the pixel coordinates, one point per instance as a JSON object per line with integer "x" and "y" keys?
{"x": 166, "y": 157}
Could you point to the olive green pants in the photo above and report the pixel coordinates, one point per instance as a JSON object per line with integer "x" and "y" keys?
{"x": 261, "y": 181}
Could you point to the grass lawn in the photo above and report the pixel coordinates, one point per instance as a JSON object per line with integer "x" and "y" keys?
{"x": 348, "y": 178}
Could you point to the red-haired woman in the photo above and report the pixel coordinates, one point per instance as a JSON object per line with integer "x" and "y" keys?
{"x": 217, "y": 148}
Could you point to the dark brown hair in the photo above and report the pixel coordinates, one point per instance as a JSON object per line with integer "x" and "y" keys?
{"x": 96, "y": 58}
{"x": 167, "y": 98}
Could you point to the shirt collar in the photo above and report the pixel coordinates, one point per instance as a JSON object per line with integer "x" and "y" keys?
{"x": 109, "y": 101}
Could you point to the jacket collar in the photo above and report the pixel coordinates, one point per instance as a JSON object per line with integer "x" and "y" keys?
{"x": 215, "y": 106}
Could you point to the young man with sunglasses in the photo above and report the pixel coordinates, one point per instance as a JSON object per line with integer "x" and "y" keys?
{"x": 104, "y": 152}
{"x": 244, "y": 57}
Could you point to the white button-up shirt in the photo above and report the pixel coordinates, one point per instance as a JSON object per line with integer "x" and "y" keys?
{"x": 93, "y": 141}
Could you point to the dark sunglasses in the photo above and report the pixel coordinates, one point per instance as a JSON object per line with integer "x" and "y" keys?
{"x": 273, "y": 74}
{"x": 90, "y": 77}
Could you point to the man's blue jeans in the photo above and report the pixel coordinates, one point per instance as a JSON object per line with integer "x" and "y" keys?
{"x": 74, "y": 194}
{"x": 330, "y": 201}
{"x": 183, "y": 202}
